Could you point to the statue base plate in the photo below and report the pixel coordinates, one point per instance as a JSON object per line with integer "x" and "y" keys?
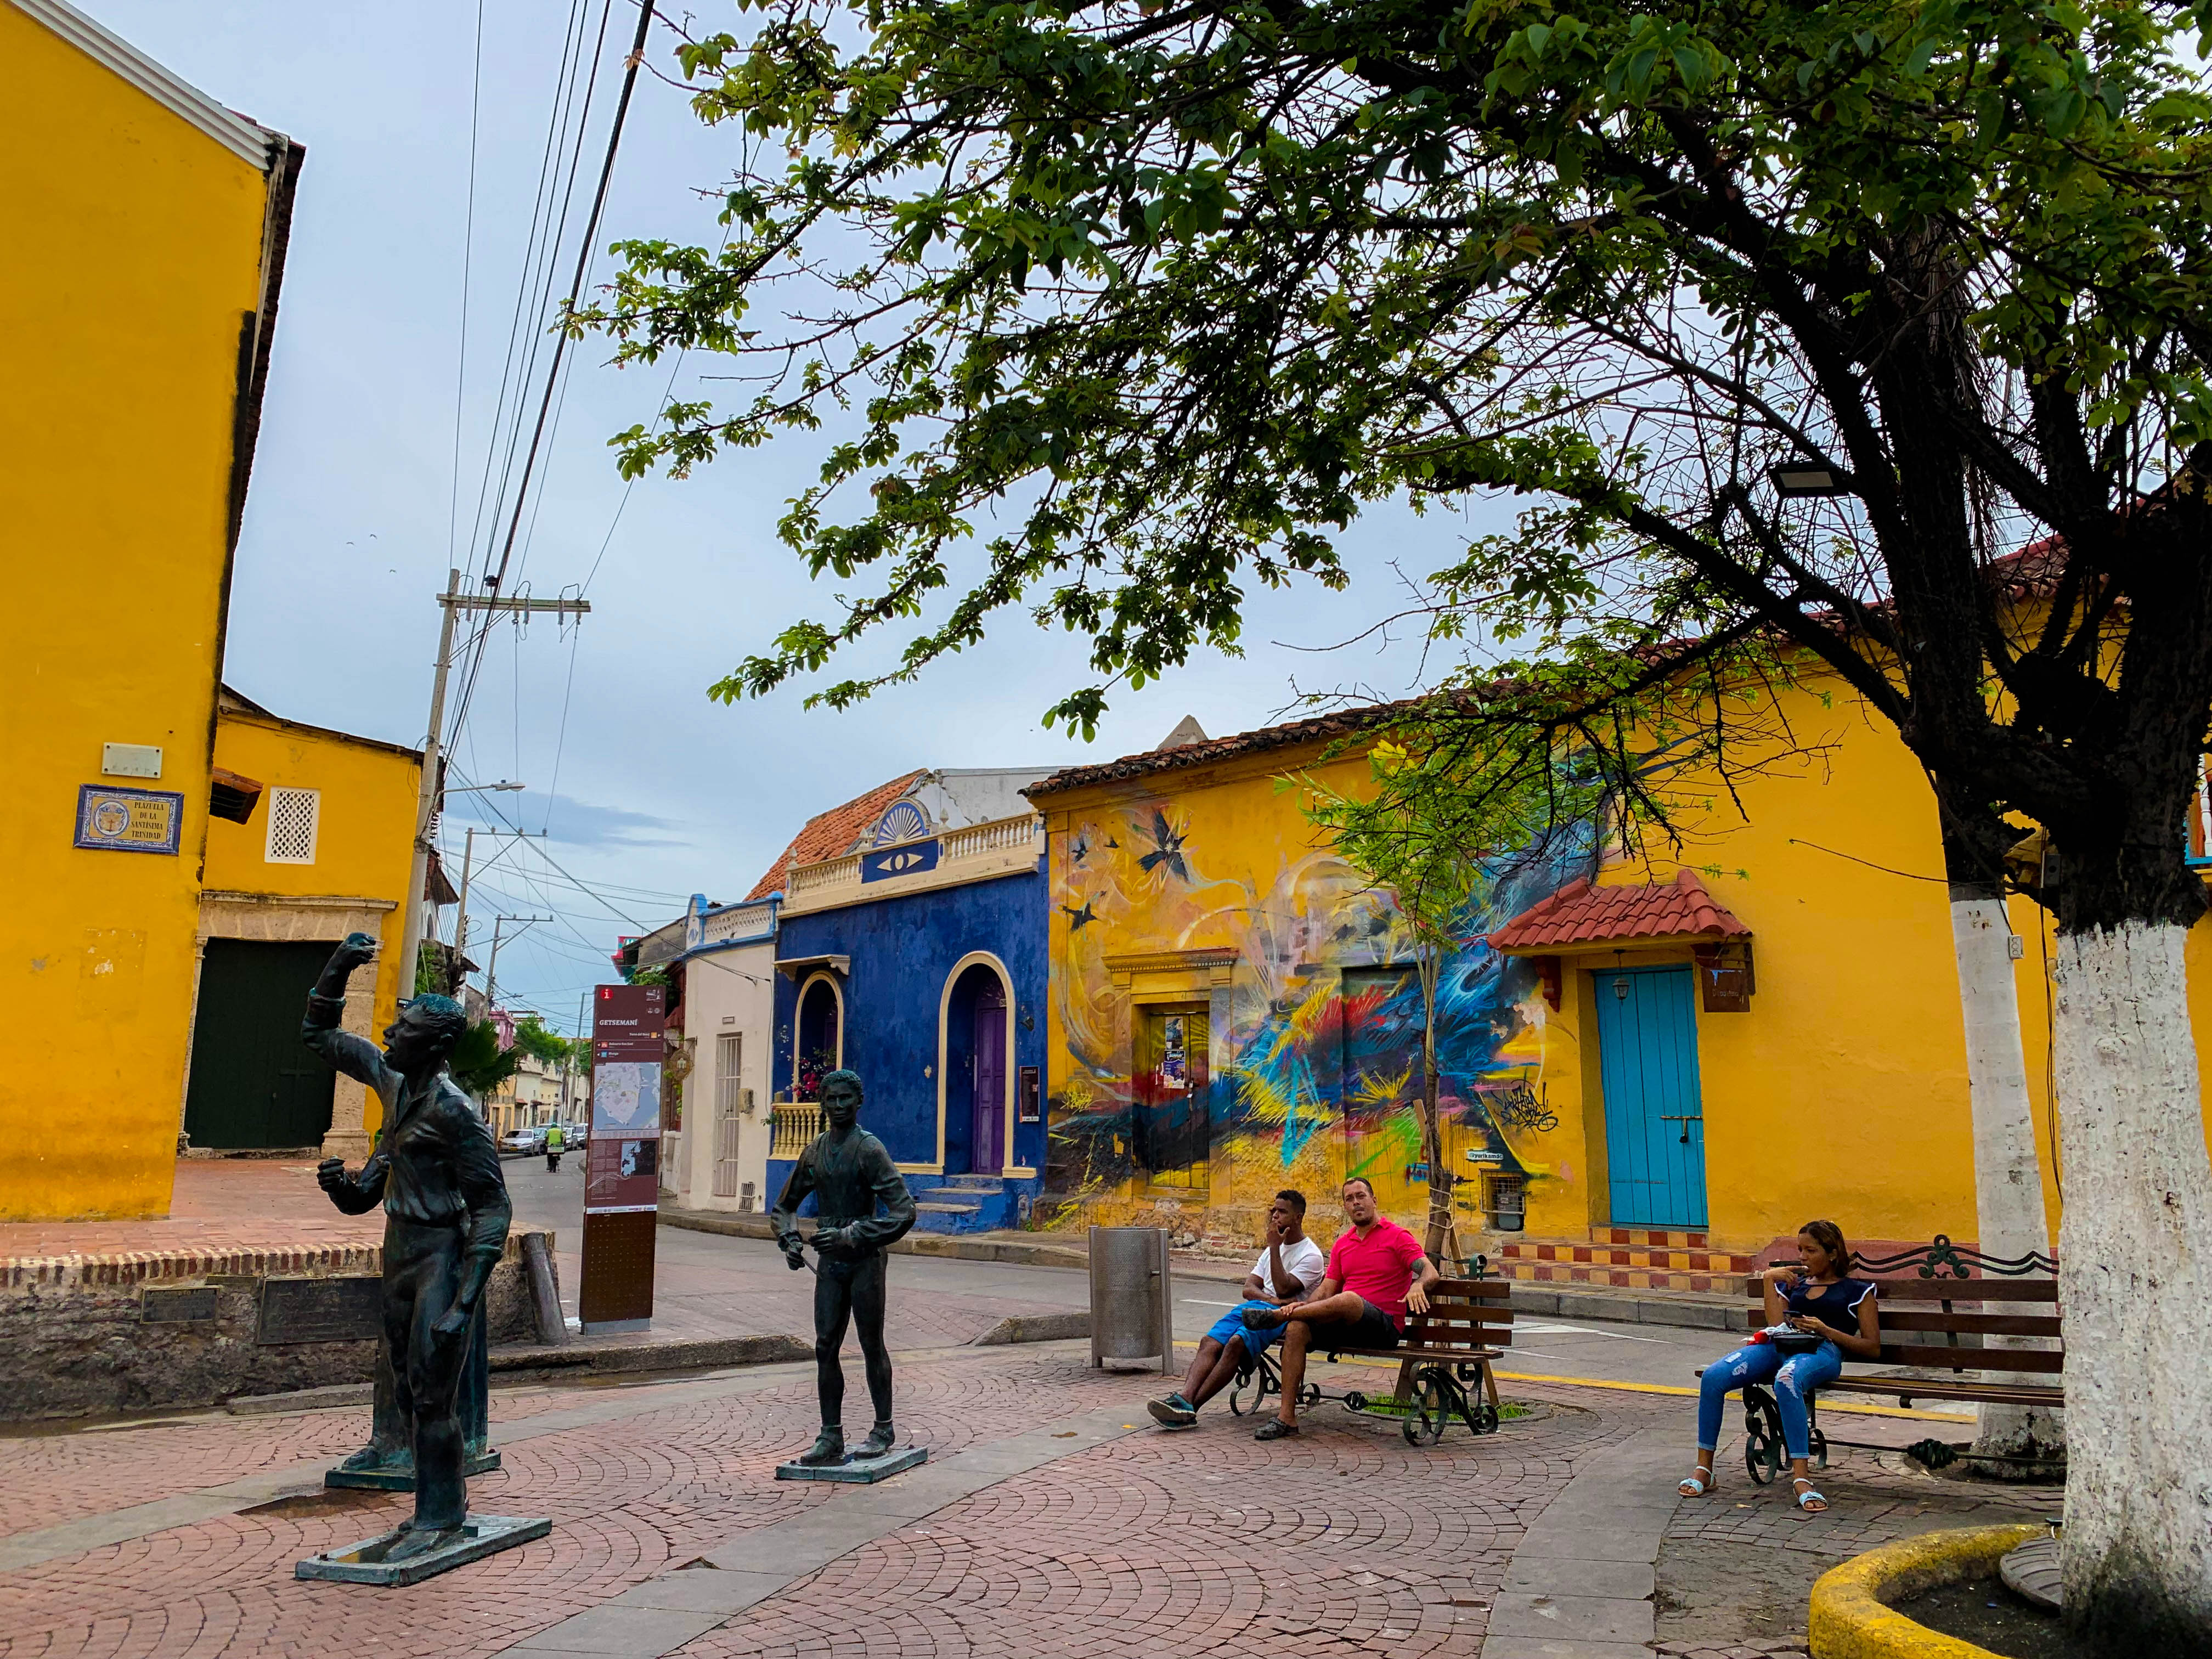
{"x": 403, "y": 1480}
{"x": 859, "y": 1471}
{"x": 364, "y": 1564}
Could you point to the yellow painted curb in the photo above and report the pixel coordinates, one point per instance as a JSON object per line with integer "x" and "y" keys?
{"x": 1851, "y": 1617}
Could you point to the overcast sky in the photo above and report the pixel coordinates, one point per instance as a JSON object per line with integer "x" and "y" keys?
{"x": 654, "y": 792}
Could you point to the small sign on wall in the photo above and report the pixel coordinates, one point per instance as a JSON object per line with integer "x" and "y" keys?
{"x": 111, "y": 819}
{"x": 1031, "y": 1102}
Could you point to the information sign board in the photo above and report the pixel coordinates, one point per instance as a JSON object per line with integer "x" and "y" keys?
{"x": 622, "y": 1164}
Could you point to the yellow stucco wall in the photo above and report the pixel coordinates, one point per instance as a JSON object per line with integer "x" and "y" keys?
{"x": 364, "y": 832}
{"x": 134, "y": 249}
{"x": 1842, "y": 1092}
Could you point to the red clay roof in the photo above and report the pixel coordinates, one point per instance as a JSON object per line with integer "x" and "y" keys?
{"x": 1344, "y": 723}
{"x": 831, "y": 834}
{"x": 1582, "y": 913}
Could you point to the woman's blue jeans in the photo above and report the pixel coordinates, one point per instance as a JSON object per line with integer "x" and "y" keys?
{"x": 1794, "y": 1379}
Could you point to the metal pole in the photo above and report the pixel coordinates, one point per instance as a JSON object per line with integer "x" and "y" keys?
{"x": 425, "y": 800}
{"x": 461, "y": 924}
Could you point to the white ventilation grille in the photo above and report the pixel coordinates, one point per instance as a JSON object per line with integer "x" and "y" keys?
{"x": 293, "y": 817}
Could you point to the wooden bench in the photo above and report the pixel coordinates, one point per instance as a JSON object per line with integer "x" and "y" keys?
{"x": 1443, "y": 1371}
{"x": 1923, "y": 1328}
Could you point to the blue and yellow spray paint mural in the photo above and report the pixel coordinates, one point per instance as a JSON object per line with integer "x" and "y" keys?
{"x": 1235, "y": 1010}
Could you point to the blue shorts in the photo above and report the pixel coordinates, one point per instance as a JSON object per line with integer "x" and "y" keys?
{"x": 1232, "y": 1324}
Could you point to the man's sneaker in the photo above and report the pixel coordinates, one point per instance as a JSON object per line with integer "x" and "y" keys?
{"x": 1172, "y": 1412}
{"x": 1274, "y": 1429}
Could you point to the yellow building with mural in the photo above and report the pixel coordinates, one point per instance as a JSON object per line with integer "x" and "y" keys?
{"x": 1651, "y": 1071}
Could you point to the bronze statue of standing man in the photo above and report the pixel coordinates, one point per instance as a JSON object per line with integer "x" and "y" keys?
{"x": 446, "y": 1214}
{"x": 851, "y": 1177}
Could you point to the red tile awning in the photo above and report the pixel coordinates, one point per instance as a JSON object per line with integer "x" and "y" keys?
{"x": 1583, "y": 914}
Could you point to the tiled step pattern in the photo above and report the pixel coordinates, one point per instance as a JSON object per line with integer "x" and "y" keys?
{"x": 1632, "y": 1258}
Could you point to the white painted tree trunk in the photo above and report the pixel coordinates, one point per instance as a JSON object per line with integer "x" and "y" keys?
{"x": 2008, "y": 1180}
{"x": 2135, "y": 1265}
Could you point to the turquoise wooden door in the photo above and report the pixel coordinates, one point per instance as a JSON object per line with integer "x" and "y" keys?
{"x": 1654, "y": 1130}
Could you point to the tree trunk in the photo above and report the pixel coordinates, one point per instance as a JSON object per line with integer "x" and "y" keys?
{"x": 2136, "y": 1282}
{"x": 2008, "y": 1181}
{"x": 1433, "y": 1134}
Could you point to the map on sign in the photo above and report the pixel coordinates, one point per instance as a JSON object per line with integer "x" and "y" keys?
{"x": 626, "y": 1097}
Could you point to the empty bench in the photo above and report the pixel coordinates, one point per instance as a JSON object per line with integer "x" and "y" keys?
{"x": 1445, "y": 1363}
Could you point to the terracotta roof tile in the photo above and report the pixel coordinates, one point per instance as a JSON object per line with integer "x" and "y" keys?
{"x": 831, "y": 834}
{"x": 1582, "y": 913}
{"x": 1342, "y": 724}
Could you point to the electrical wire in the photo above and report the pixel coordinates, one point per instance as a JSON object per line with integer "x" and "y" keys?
{"x": 468, "y": 255}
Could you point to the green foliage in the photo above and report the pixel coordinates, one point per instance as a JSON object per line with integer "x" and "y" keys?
{"x": 479, "y": 1064}
{"x": 1171, "y": 293}
{"x": 532, "y": 1038}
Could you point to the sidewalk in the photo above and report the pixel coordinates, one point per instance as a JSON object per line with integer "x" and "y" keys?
{"x": 1052, "y": 1521}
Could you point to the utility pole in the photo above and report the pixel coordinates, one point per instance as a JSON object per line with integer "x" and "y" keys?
{"x": 491, "y": 968}
{"x": 468, "y": 855}
{"x": 452, "y": 603}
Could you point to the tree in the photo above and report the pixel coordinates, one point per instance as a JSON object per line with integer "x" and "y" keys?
{"x": 1174, "y": 289}
{"x": 548, "y": 1047}
{"x": 479, "y": 1064}
{"x": 1438, "y": 840}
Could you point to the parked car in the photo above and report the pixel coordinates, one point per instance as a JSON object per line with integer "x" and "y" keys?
{"x": 524, "y": 1141}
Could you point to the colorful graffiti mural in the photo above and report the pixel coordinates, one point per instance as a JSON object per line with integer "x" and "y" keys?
{"x": 1235, "y": 1011}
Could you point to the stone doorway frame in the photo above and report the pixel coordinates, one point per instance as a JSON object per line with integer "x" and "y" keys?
{"x": 286, "y": 918}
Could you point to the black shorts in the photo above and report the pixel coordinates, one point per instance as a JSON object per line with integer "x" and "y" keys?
{"x": 1372, "y": 1329}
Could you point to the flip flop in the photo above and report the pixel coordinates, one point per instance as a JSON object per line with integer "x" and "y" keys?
{"x": 1807, "y": 1497}
{"x": 1698, "y": 1484}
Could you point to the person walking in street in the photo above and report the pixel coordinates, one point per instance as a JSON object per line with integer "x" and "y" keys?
{"x": 1814, "y": 1316}
{"x": 1289, "y": 1268}
{"x": 1377, "y": 1273}
{"x": 555, "y": 1144}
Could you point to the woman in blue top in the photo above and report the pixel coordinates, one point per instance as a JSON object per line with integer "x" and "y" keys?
{"x": 1814, "y": 1301}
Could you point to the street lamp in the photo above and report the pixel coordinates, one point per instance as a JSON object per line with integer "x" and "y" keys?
{"x": 478, "y": 788}
{"x": 1807, "y": 476}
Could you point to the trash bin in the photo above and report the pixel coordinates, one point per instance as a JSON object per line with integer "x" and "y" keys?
{"x": 1132, "y": 1295}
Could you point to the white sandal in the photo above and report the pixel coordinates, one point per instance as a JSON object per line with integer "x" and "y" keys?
{"x": 1698, "y": 1484}
{"x": 1807, "y": 1497}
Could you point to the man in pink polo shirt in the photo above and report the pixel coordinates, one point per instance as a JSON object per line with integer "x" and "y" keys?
{"x": 1375, "y": 1275}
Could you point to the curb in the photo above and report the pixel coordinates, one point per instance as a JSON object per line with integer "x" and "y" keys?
{"x": 940, "y": 1244}
{"x": 1851, "y": 1617}
{"x": 1629, "y": 1307}
{"x": 700, "y": 1353}
{"x": 1034, "y": 1327}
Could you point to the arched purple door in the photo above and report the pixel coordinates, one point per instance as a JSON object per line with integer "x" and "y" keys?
{"x": 987, "y": 1137}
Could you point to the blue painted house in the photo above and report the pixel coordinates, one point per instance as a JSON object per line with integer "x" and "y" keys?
{"x": 914, "y": 955}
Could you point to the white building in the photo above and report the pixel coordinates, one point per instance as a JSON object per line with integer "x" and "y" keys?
{"x": 728, "y": 965}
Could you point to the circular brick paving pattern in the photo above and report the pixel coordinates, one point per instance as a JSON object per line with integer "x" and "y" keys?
{"x": 1342, "y": 1541}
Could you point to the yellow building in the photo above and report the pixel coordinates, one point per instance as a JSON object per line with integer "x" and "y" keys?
{"x": 147, "y": 230}
{"x": 1654, "y": 1076}
{"x": 309, "y": 840}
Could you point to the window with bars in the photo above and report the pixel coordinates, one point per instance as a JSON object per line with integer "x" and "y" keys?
{"x": 730, "y": 1099}
{"x": 294, "y": 818}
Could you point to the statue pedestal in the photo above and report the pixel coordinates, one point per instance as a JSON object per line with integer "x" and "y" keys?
{"x": 399, "y": 1476}
{"x": 364, "y": 1564}
{"x": 859, "y": 1470}
{"x": 391, "y": 1430}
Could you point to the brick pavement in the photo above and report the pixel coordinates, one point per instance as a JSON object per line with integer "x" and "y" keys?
{"x": 1151, "y": 1544}
{"x": 1343, "y": 1542}
{"x": 1737, "y": 1568}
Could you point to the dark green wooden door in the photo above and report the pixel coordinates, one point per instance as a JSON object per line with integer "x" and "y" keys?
{"x": 254, "y": 1083}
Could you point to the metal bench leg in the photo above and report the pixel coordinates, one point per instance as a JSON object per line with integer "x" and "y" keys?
{"x": 1763, "y": 1453}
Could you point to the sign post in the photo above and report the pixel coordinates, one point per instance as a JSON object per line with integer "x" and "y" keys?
{"x": 622, "y": 1167}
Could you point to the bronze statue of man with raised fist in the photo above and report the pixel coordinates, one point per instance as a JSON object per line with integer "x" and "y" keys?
{"x": 446, "y": 1209}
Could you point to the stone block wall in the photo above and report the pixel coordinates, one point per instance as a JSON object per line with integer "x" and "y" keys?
{"x": 75, "y": 1341}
